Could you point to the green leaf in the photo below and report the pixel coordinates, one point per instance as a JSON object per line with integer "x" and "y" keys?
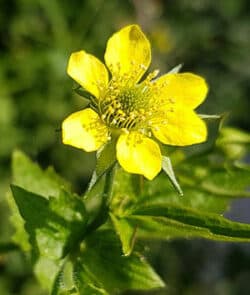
{"x": 103, "y": 266}
{"x": 90, "y": 289}
{"x": 20, "y": 236}
{"x": 233, "y": 135}
{"x": 125, "y": 232}
{"x": 86, "y": 282}
{"x": 158, "y": 227}
{"x": 216, "y": 172}
{"x": 8, "y": 247}
{"x": 168, "y": 169}
{"x": 209, "y": 225}
{"x": 130, "y": 190}
{"x": 31, "y": 177}
{"x": 232, "y": 183}
{"x": 47, "y": 271}
{"x": 106, "y": 158}
{"x": 71, "y": 210}
{"x": 233, "y": 142}
{"x": 64, "y": 283}
{"x": 97, "y": 198}
{"x": 157, "y": 211}
{"x": 127, "y": 189}
{"x": 55, "y": 227}
{"x": 212, "y": 175}
{"x": 80, "y": 282}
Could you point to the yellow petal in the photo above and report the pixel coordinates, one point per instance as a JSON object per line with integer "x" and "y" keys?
{"x": 181, "y": 127}
{"x": 138, "y": 154}
{"x": 128, "y": 52}
{"x": 186, "y": 88}
{"x": 88, "y": 71}
{"x": 84, "y": 130}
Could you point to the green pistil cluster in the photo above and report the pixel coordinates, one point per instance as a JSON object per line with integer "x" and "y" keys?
{"x": 129, "y": 107}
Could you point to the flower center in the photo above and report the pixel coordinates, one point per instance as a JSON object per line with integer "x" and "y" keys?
{"x": 129, "y": 106}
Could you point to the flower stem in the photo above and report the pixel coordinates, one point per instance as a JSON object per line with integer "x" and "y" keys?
{"x": 106, "y": 200}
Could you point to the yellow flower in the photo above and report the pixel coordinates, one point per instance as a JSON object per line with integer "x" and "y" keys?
{"x": 141, "y": 113}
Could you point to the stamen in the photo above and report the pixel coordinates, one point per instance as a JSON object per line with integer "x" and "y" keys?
{"x": 129, "y": 106}
{"x": 97, "y": 130}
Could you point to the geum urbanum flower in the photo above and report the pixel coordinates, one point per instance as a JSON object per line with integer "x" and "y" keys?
{"x": 141, "y": 113}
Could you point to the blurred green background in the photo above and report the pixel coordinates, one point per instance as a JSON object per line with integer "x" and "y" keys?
{"x": 211, "y": 38}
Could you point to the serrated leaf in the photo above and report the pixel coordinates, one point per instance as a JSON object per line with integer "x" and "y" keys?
{"x": 164, "y": 228}
{"x": 31, "y": 177}
{"x": 86, "y": 282}
{"x": 54, "y": 226}
{"x": 20, "y": 236}
{"x": 158, "y": 227}
{"x": 210, "y": 225}
{"x": 186, "y": 216}
{"x": 168, "y": 169}
{"x": 104, "y": 263}
{"x": 80, "y": 282}
{"x": 47, "y": 270}
{"x": 64, "y": 283}
{"x": 126, "y": 233}
{"x": 90, "y": 289}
